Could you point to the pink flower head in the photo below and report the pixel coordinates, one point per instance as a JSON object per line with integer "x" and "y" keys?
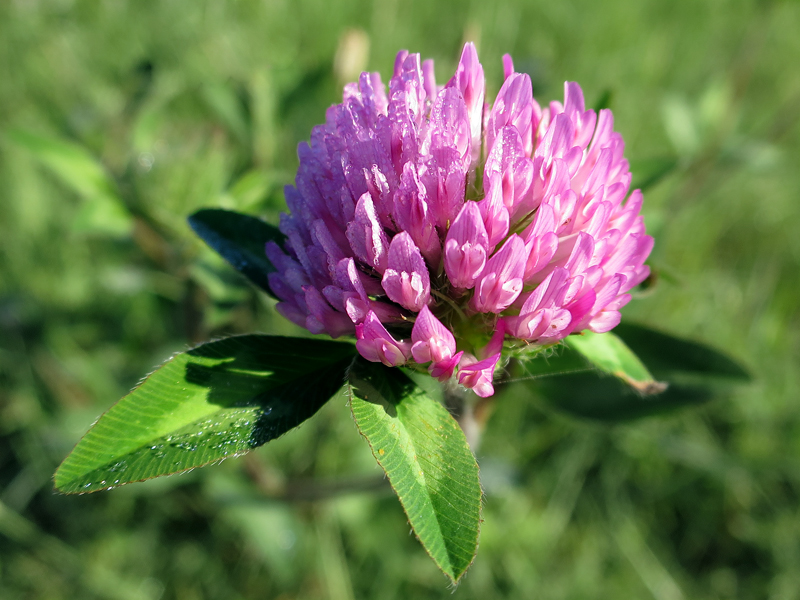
{"x": 462, "y": 225}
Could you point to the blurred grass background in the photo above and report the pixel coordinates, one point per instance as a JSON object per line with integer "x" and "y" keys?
{"x": 120, "y": 118}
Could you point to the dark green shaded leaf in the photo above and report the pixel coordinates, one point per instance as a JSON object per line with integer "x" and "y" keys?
{"x": 310, "y": 84}
{"x": 603, "y": 398}
{"x": 215, "y": 401}
{"x": 648, "y": 172}
{"x": 604, "y": 101}
{"x": 693, "y": 373}
{"x": 239, "y": 239}
{"x": 427, "y": 459}
{"x": 671, "y": 357}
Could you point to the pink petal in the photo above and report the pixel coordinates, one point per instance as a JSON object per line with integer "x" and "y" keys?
{"x": 478, "y": 375}
{"x": 444, "y": 370}
{"x": 501, "y": 280}
{"x": 466, "y": 247}
{"x": 412, "y": 214}
{"x": 377, "y": 345}
{"x": 493, "y": 210}
{"x": 433, "y": 342}
{"x": 469, "y": 80}
{"x": 406, "y": 279}
{"x": 366, "y": 235}
{"x": 323, "y": 318}
{"x": 513, "y": 106}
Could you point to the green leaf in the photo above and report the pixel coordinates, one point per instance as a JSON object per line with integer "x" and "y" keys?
{"x": 229, "y": 108}
{"x": 593, "y": 396}
{"x": 649, "y": 172}
{"x": 102, "y": 211}
{"x": 239, "y": 239}
{"x": 100, "y": 214}
{"x": 604, "y": 101}
{"x": 215, "y": 401}
{"x": 427, "y": 459}
{"x": 675, "y": 358}
{"x": 610, "y": 354}
{"x": 694, "y": 374}
{"x": 249, "y": 190}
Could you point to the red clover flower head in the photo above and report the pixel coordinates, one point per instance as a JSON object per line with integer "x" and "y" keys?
{"x": 439, "y": 228}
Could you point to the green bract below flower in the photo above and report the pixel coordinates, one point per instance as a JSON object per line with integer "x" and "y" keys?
{"x": 440, "y": 229}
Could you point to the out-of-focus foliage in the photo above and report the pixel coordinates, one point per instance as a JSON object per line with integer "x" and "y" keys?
{"x": 118, "y": 119}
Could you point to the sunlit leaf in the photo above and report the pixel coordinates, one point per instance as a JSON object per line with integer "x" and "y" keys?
{"x": 249, "y": 190}
{"x": 681, "y": 125}
{"x": 240, "y": 239}
{"x": 100, "y": 214}
{"x": 427, "y": 459}
{"x": 550, "y": 362}
{"x": 610, "y": 354}
{"x": 215, "y": 401}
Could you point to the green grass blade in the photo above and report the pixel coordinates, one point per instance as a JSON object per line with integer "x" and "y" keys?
{"x": 215, "y": 401}
{"x": 102, "y": 211}
{"x": 427, "y": 459}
